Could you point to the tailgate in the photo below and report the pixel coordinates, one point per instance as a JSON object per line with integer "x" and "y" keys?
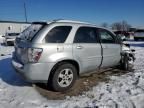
{"x": 21, "y": 52}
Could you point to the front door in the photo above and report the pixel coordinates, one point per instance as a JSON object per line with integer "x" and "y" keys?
{"x": 111, "y": 48}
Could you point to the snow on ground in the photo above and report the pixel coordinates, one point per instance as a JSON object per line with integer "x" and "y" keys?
{"x": 124, "y": 91}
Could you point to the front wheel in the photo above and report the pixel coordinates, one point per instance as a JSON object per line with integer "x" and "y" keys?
{"x": 64, "y": 77}
{"x": 125, "y": 63}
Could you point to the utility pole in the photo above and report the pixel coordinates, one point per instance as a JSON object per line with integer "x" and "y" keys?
{"x": 25, "y": 11}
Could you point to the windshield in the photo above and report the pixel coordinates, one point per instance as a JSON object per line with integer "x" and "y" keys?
{"x": 13, "y": 34}
{"x": 29, "y": 33}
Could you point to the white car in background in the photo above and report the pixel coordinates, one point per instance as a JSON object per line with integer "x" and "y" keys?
{"x": 2, "y": 39}
{"x": 139, "y": 34}
{"x": 10, "y": 38}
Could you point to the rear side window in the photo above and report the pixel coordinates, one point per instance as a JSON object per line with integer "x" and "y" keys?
{"x": 85, "y": 35}
{"x": 58, "y": 34}
{"x": 106, "y": 36}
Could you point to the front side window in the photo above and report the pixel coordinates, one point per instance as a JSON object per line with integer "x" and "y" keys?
{"x": 85, "y": 35}
{"x": 58, "y": 34}
{"x": 106, "y": 36}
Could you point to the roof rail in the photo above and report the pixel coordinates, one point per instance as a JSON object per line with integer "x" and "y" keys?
{"x": 70, "y": 21}
{"x": 46, "y": 22}
{"x": 60, "y": 20}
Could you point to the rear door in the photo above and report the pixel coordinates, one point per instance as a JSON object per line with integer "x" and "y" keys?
{"x": 87, "y": 49}
{"x": 111, "y": 48}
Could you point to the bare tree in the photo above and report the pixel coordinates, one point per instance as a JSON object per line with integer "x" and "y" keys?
{"x": 121, "y": 26}
{"x": 116, "y": 26}
{"x": 125, "y": 26}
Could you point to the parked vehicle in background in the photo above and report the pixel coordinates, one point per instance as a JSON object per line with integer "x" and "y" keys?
{"x": 124, "y": 35}
{"x": 10, "y": 38}
{"x": 58, "y": 52}
{"x": 2, "y": 39}
{"x": 139, "y": 34}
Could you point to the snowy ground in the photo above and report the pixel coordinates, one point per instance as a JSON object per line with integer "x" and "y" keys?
{"x": 124, "y": 91}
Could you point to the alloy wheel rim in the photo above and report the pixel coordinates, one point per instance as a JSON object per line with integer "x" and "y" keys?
{"x": 65, "y": 77}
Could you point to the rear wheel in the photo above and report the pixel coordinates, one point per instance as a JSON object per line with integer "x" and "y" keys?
{"x": 63, "y": 77}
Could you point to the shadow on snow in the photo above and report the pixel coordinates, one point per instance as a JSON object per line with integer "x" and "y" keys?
{"x": 8, "y": 74}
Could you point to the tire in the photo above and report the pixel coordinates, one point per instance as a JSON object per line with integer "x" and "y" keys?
{"x": 63, "y": 77}
{"x": 125, "y": 63}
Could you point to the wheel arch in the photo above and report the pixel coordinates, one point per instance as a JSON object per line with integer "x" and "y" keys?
{"x": 73, "y": 62}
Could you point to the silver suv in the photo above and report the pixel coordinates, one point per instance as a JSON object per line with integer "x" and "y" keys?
{"x": 58, "y": 52}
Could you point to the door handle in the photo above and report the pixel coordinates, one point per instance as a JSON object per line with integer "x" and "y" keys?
{"x": 79, "y": 47}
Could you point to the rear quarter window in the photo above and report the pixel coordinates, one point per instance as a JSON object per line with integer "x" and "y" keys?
{"x": 58, "y": 34}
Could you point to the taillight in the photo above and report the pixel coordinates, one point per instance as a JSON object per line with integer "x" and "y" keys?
{"x": 34, "y": 54}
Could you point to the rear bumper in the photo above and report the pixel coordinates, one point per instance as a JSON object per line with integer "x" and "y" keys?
{"x": 33, "y": 72}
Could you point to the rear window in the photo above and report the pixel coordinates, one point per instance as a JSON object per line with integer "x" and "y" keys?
{"x": 29, "y": 33}
{"x": 58, "y": 34}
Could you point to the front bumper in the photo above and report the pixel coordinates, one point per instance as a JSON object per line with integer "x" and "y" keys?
{"x": 9, "y": 41}
{"x": 33, "y": 72}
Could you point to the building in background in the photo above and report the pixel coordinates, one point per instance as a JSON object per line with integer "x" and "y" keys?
{"x": 12, "y": 27}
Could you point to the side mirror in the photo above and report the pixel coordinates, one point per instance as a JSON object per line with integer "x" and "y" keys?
{"x": 3, "y": 36}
